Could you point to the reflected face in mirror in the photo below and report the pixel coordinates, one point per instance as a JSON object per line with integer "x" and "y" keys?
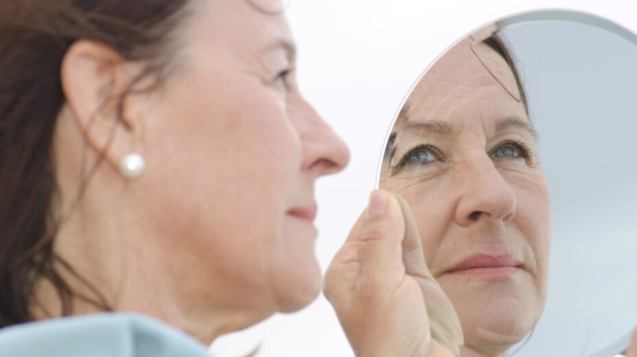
{"x": 463, "y": 153}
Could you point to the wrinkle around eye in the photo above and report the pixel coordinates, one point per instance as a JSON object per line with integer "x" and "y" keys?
{"x": 525, "y": 178}
{"x": 421, "y": 172}
{"x": 411, "y": 178}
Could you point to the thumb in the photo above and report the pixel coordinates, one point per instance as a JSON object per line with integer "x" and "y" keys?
{"x": 382, "y": 236}
{"x": 372, "y": 251}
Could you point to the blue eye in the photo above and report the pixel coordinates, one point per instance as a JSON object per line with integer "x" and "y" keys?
{"x": 420, "y": 157}
{"x": 506, "y": 152}
{"x": 509, "y": 149}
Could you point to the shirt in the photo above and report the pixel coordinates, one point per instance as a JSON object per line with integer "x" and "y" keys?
{"x": 99, "y": 335}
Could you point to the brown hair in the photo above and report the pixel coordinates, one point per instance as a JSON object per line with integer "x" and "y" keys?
{"x": 496, "y": 43}
{"x": 34, "y": 38}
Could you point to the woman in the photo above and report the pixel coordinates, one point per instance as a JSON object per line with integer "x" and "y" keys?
{"x": 131, "y": 180}
{"x": 156, "y": 157}
{"x": 464, "y": 155}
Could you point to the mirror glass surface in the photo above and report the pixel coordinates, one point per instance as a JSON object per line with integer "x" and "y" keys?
{"x": 457, "y": 152}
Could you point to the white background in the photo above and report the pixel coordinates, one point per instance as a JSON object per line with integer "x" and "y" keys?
{"x": 357, "y": 60}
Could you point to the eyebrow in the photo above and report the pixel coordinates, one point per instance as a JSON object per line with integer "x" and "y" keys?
{"x": 432, "y": 126}
{"x": 444, "y": 128}
{"x": 515, "y": 122}
{"x": 283, "y": 44}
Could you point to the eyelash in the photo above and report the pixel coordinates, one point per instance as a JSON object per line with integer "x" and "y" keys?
{"x": 524, "y": 153}
{"x": 420, "y": 148}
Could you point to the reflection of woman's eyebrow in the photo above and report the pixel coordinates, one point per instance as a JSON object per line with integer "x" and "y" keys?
{"x": 441, "y": 127}
{"x": 515, "y": 122}
{"x": 432, "y": 126}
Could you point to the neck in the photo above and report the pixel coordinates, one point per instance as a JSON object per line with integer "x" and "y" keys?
{"x": 128, "y": 257}
{"x": 128, "y": 267}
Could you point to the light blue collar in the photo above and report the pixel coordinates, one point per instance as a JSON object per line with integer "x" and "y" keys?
{"x": 100, "y": 335}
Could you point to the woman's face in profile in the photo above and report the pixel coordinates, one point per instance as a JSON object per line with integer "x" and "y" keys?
{"x": 240, "y": 151}
{"x": 465, "y": 157}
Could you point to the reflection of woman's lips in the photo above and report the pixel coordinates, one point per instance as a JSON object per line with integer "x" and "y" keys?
{"x": 487, "y": 266}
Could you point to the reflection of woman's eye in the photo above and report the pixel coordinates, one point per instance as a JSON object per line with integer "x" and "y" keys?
{"x": 419, "y": 156}
{"x": 511, "y": 150}
{"x": 506, "y": 152}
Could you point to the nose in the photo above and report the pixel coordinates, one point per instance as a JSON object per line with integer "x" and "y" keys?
{"x": 324, "y": 152}
{"x": 487, "y": 196}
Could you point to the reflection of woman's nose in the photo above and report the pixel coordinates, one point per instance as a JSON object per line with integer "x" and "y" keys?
{"x": 485, "y": 194}
{"x": 324, "y": 151}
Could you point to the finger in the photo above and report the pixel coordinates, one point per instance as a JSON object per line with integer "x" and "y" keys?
{"x": 632, "y": 349}
{"x": 365, "y": 250}
{"x": 343, "y": 272}
{"x": 443, "y": 320}
{"x": 381, "y": 239}
{"x": 413, "y": 254}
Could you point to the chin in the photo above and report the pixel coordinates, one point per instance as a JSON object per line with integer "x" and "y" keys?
{"x": 495, "y": 316}
{"x": 500, "y": 323}
{"x": 297, "y": 287}
{"x": 298, "y": 302}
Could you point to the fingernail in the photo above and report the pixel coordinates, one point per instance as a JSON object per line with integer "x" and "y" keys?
{"x": 377, "y": 204}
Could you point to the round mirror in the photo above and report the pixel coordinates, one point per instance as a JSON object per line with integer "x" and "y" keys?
{"x": 513, "y": 151}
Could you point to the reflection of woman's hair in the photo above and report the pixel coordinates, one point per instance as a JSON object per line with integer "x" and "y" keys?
{"x": 34, "y": 37}
{"x": 496, "y": 43}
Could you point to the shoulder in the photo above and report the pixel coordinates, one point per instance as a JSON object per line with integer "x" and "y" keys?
{"x": 100, "y": 335}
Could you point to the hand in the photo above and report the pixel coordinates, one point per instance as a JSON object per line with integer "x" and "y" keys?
{"x": 384, "y": 295}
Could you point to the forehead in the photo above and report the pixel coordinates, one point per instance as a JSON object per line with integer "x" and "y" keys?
{"x": 240, "y": 25}
{"x": 471, "y": 82}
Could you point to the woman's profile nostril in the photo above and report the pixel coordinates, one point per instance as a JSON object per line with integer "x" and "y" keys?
{"x": 475, "y": 215}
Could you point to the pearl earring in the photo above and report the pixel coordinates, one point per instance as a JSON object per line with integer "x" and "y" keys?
{"x": 132, "y": 166}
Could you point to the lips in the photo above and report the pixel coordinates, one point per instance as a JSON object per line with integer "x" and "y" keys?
{"x": 307, "y": 213}
{"x": 487, "y": 266}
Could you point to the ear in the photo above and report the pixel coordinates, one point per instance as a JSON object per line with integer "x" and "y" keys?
{"x": 94, "y": 78}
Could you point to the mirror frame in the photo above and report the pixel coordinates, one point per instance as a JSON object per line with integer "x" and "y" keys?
{"x": 483, "y": 32}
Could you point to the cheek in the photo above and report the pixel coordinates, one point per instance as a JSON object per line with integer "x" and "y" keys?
{"x": 220, "y": 168}
{"x": 533, "y": 220}
{"x": 433, "y": 207}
